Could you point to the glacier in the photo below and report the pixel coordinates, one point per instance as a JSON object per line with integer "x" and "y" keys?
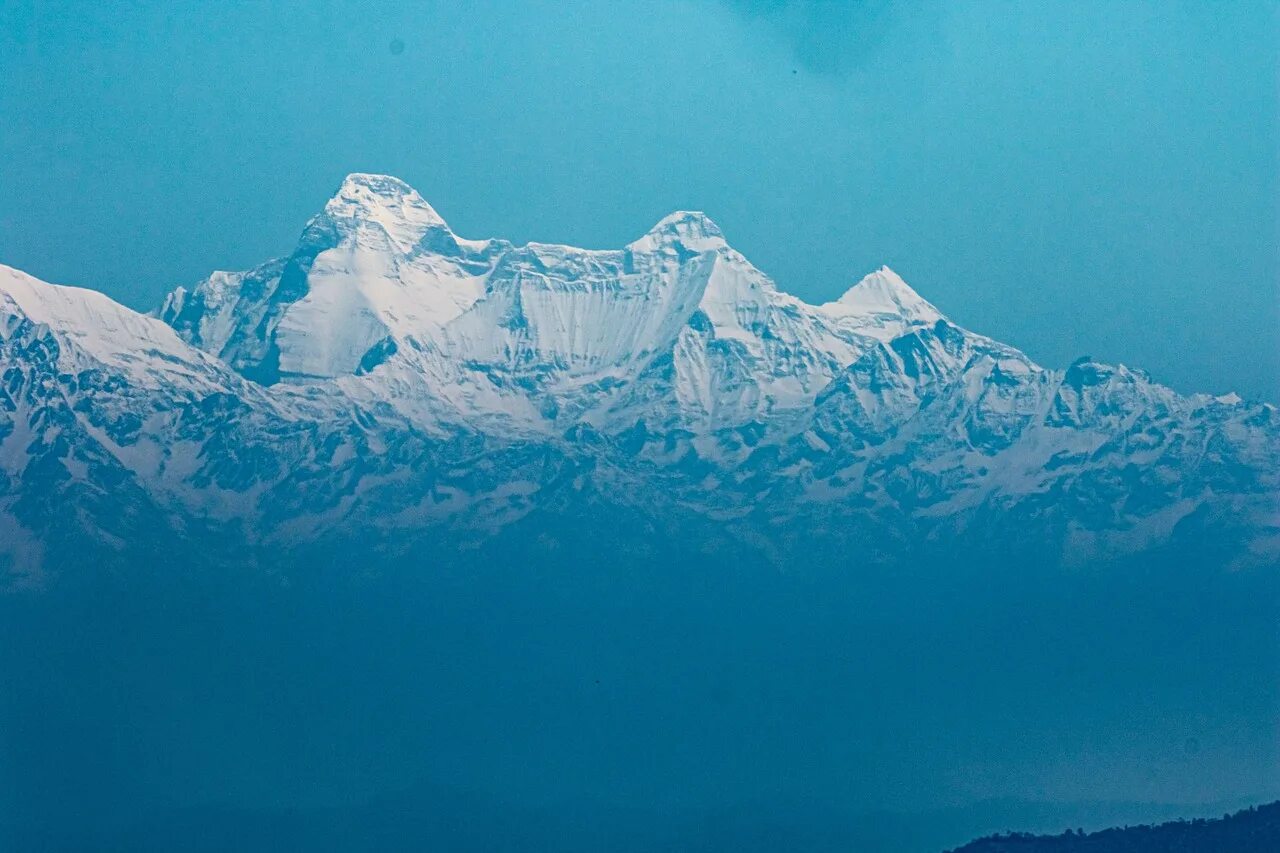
{"x": 393, "y": 383}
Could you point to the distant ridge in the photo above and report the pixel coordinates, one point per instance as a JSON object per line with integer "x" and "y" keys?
{"x": 1251, "y": 830}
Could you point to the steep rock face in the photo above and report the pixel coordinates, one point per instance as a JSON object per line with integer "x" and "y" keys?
{"x": 390, "y": 377}
{"x": 376, "y": 262}
{"x": 537, "y": 336}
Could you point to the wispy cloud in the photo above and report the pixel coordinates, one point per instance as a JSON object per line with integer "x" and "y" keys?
{"x": 826, "y": 37}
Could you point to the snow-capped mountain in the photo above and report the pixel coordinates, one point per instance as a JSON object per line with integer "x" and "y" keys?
{"x": 388, "y": 376}
{"x": 537, "y": 335}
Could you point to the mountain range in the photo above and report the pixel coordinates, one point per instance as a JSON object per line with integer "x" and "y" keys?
{"x": 391, "y": 383}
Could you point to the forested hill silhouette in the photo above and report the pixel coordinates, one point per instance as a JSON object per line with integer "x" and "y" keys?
{"x": 1253, "y": 830}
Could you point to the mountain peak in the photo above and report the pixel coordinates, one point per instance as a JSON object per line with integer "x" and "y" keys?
{"x": 884, "y": 292}
{"x": 690, "y": 228}
{"x": 382, "y": 200}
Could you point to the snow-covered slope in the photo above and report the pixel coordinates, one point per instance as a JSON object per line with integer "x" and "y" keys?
{"x": 141, "y": 348}
{"x": 390, "y": 376}
{"x": 534, "y": 334}
{"x": 376, "y": 262}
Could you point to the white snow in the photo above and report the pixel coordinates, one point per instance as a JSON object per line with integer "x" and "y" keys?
{"x": 147, "y": 349}
{"x": 677, "y": 331}
{"x": 884, "y": 304}
{"x": 366, "y": 201}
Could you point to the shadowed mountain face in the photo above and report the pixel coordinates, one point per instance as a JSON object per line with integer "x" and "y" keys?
{"x": 607, "y": 536}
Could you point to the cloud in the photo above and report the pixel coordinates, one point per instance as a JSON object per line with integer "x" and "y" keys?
{"x": 824, "y": 37}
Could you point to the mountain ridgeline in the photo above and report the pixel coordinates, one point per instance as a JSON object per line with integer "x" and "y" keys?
{"x": 409, "y": 541}
{"x": 393, "y": 384}
{"x": 1253, "y": 830}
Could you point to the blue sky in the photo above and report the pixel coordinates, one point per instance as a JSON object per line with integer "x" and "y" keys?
{"x": 1088, "y": 178}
